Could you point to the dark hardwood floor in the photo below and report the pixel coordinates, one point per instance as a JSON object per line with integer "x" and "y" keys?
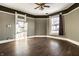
{"x": 39, "y": 47}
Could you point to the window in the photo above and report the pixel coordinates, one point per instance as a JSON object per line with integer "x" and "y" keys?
{"x": 54, "y": 25}
{"x": 21, "y": 26}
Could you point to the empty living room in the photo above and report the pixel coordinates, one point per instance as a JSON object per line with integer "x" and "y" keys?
{"x": 39, "y": 29}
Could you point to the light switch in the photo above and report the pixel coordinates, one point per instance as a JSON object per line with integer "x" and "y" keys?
{"x": 9, "y": 25}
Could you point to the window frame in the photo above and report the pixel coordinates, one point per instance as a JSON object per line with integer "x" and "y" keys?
{"x": 54, "y": 32}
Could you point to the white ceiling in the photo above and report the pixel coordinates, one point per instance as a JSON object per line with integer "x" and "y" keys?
{"x": 29, "y": 7}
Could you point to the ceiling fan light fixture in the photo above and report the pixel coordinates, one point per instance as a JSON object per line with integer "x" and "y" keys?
{"x": 41, "y": 6}
{"x": 46, "y": 13}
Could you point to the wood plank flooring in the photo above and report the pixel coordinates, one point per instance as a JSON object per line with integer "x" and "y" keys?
{"x": 39, "y": 47}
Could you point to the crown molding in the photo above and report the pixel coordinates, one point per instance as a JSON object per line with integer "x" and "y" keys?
{"x": 6, "y": 9}
{"x": 74, "y": 6}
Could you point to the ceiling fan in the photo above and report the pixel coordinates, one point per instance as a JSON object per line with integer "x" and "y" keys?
{"x": 41, "y": 6}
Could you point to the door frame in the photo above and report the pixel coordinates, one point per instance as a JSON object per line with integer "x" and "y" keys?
{"x": 16, "y": 17}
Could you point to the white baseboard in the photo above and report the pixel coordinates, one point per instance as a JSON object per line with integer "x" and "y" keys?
{"x": 6, "y": 41}
{"x": 60, "y": 38}
{"x": 9, "y": 40}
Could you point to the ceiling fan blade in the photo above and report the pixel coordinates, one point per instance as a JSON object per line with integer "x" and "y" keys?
{"x": 37, "y": 7}
{"x": 46, "y": 6}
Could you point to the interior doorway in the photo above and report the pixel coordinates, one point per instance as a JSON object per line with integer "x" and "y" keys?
{"x": 21, "y": 26}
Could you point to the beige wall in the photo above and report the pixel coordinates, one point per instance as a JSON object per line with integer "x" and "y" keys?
{"x": 41, "y": 26}
{"x": 37, "y": 26}
{"x": 5, "y": 31}
{"x": 47, "y": 26}
{"x": 72, "y": 25}
{"x": 31, "y": 26}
